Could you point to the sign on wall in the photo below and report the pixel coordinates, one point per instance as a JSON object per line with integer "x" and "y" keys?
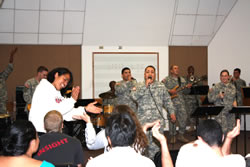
{"x": 107, "y": 67}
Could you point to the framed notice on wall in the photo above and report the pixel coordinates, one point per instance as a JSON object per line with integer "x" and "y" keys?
{"x": 107, "y": 67}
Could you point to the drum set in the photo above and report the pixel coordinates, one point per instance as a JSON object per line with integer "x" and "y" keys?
{"x": 100, "y": 120}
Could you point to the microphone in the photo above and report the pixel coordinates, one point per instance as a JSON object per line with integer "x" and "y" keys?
{"x": 222, "y": 100}
{"x": 149, "y": 78}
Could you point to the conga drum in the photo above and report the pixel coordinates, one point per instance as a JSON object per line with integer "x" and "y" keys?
{"x": 100, "y": 121}
{"x": 108, "y": 109}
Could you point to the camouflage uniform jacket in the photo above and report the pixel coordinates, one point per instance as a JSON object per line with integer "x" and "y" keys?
{"x": 28, "y": 92}
{"x": 171, "y": 82}
{"x": 229, "y": 95}
{"x": 122, "y": 91}
{"x": 3, "y": 77}
{"x": 239, "y": 83}
{"x": 151, "y": 100}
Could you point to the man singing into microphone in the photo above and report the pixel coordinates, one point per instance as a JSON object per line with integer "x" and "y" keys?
{"x": 151, "y": 97}
{"x": 224, "y": 94}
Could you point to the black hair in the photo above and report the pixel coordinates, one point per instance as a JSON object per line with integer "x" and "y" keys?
{"x": 237, "y": 69}
{"x": 41, "y": 69}
{"x": 224, "y": 71}
{"x": 211, "y": 132}
{"x": 17, "y": 138}
{"x": 120, "y": 127}
{"x": 125, "y": 68}
{"x": 60, "y": 71}
{"x": 150, "y": 67}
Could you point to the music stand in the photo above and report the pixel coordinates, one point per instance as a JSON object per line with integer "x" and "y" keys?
{"x": 246, "y": 95}
{"x": 199, "y": 90}
{"x": 242, "y": 110}
{"x": 205, "y": 111}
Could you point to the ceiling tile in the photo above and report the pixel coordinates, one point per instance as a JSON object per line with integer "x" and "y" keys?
{"x": 26, "y": 21}
{"x": 27, "y": 4}
{"x": 218, "y": 22}
{"x": 52, "y": 5}
{"x": 7, "y": 20}
{"x": 25, "y": 38}
{"x": 208, "y": 7}
{"x": 201, "y": 40}
{"x": 187, "y": 6}
{"x": 204, "y": 25}
{"x": 6, "y": 38}
{"x": 72, "y": 39}
{"x": 184, "y": 25}
{"x": 226, "y": 6}
{"x": 78, "y": 5}
{"x": 51, "y": 22}
{"x": 73, "y": 22}
{"x": 181, "y": 40}
{"x": 50, "y": 39}
{"x": 8, "y": 4}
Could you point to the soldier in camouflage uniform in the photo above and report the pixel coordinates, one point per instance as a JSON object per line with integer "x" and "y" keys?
{"x": 223, "y": 94}
{"x": 172, "y": 82}
{"x": 239, "y": 83}
{"x": 30, "y": 85}
{"x": 123, "y": 89}
{"x": 151, "y": 97}
{"x": 3, "y": 88}
{"x": 192, "y": 101}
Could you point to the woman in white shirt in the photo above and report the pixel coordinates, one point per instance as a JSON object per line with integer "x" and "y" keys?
{"x": 47, "y": 97}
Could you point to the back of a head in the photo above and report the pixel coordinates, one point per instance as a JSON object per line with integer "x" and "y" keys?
{"x": 120, "y": 127}
{"x": 17, "y": 138}
{"x": 53, "y": 121}
{"x": 211, "y": 132}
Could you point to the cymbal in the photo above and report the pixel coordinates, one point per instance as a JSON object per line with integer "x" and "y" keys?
{"x": 107, "y": 95}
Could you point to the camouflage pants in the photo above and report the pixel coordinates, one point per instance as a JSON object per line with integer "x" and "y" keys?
{"x": 226, "y": 120}
{"x": 181, "y": 117}
{"x": 3, "y": 109}
{"x": 191, "y": 107}
{"x": 153, "y": 145}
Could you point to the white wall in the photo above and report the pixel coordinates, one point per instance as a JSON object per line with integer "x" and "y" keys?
{"x": 231, "y": 46}
{"x": 87, "y": 51}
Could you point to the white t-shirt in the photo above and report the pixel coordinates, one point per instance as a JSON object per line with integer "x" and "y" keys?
{"x": 121, "y": 157}
{"x": 199, "y": 154}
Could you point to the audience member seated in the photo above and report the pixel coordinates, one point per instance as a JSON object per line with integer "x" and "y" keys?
{"x": 19, "y": 143}
{"x": 97, "y": 141}
{"x": 56, "y": 147}
{"x": 121, "y": 132}
{"x": 208, "y": 150}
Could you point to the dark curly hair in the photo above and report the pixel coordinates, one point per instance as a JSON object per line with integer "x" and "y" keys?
{"x": 17, "y": 138}
{"x": 60, "y": 71}
{"x": 124, "y": 129}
